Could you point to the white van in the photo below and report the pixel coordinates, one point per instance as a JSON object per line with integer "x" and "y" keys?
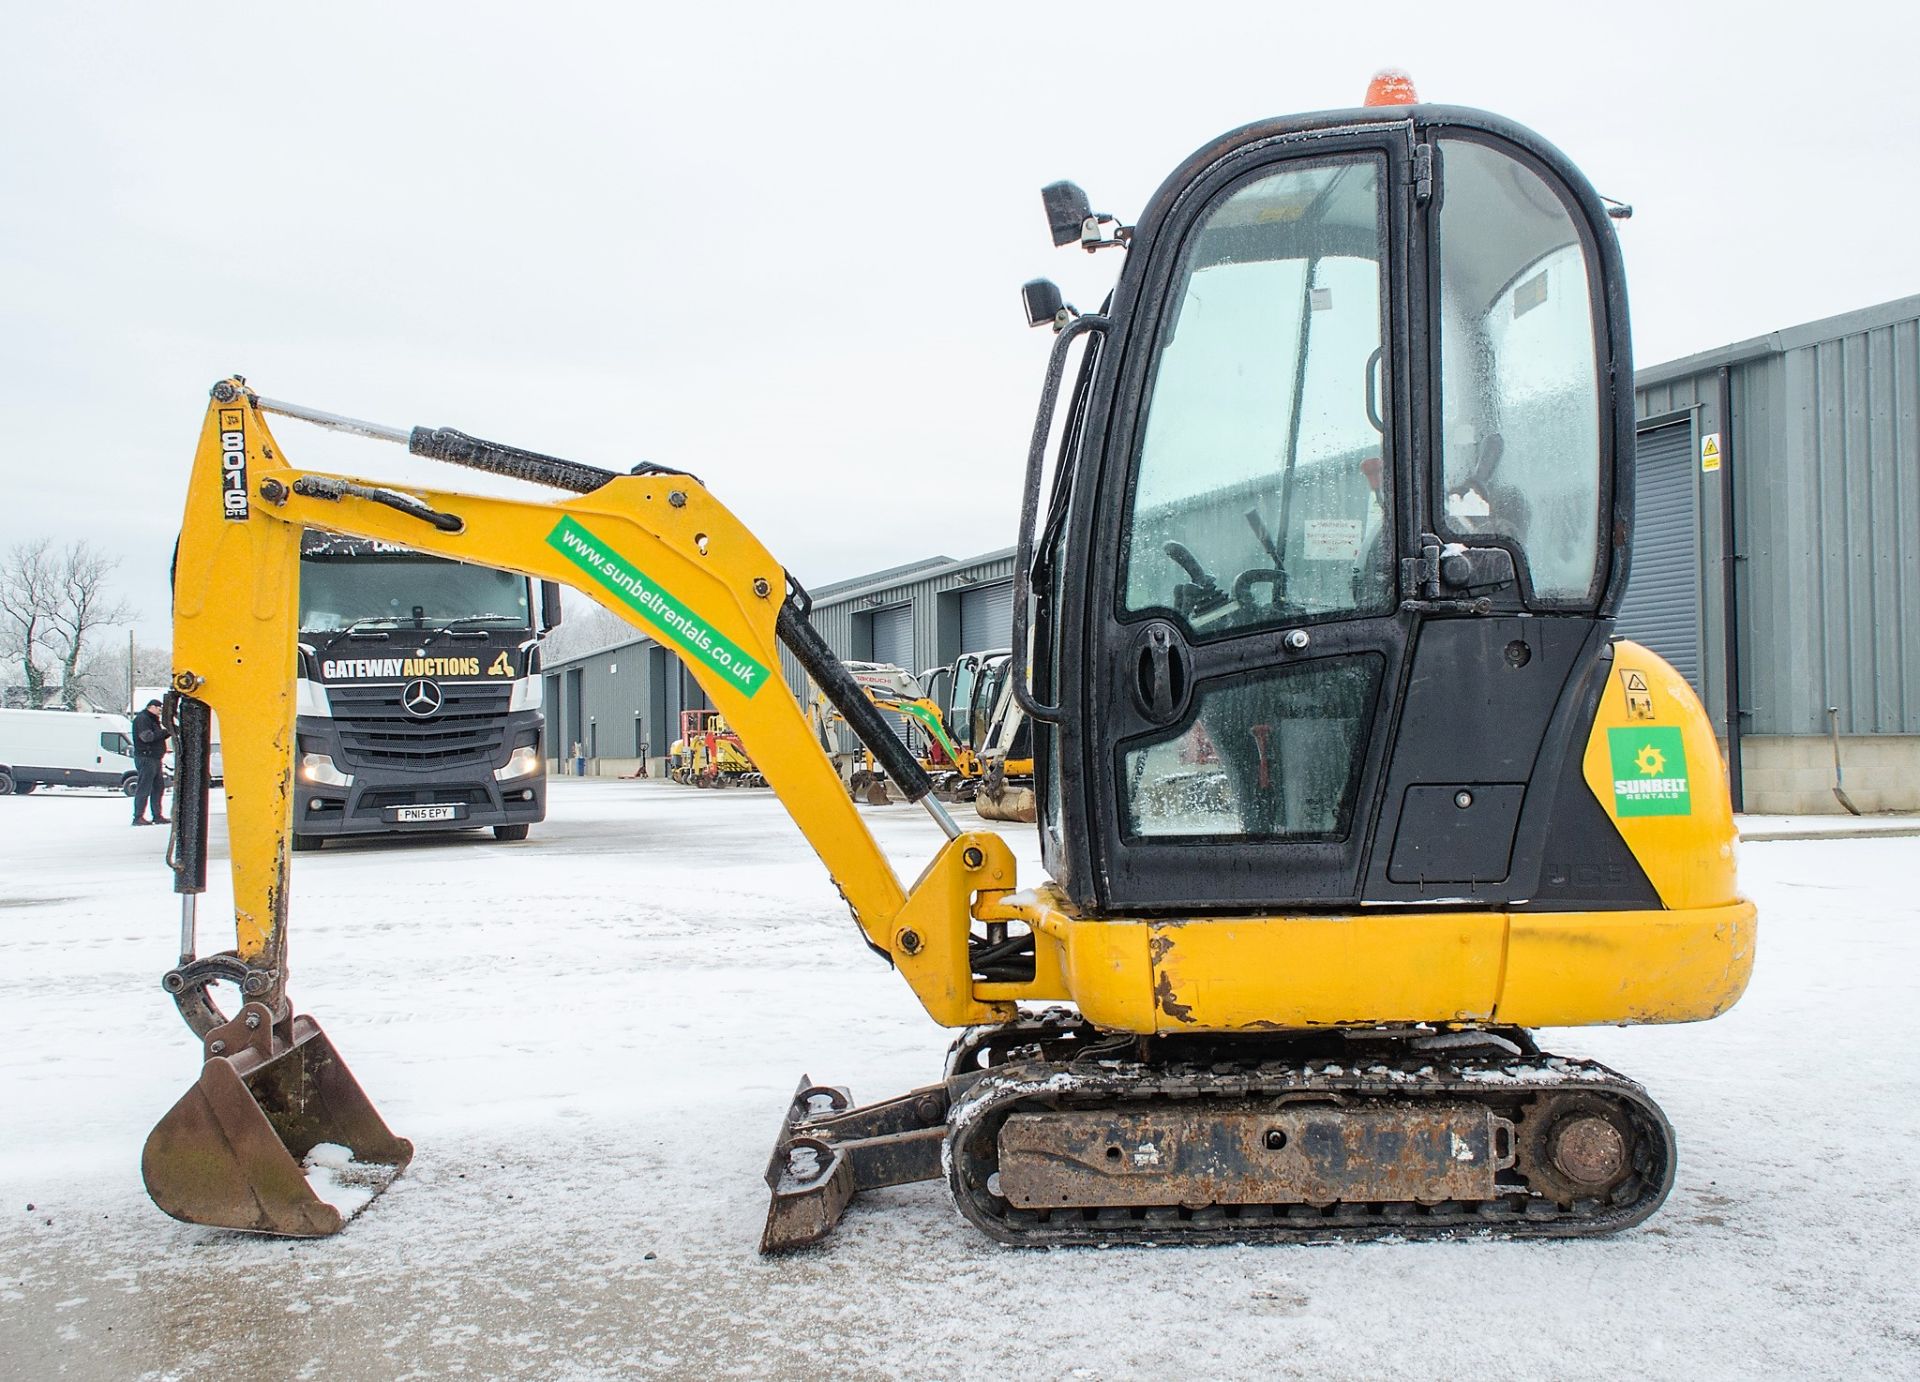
{"x": 64, "y": 748}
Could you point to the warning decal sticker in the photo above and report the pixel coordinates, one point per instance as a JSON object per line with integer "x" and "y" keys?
{"x": 1639, "y": 697}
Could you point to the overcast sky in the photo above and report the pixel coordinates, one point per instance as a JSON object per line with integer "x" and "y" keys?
{"x": 781, "y": 247}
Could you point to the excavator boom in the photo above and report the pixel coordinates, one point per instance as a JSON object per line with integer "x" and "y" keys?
{"x": 658, "y": 550}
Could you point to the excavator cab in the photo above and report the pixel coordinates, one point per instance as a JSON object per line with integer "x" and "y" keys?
{"x": 1338, "y": 525}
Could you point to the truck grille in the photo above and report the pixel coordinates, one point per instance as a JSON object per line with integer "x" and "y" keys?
{"x": 375, "y": 728}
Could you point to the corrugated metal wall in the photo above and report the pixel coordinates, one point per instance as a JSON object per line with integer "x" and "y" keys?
{"x": 1859, "y": 434}
{"x": 1824, "y": 460}
{"x": 614, "y": 691}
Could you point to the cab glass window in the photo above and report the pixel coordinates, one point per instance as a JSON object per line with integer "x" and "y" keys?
{"x": 337, "y": 593}
{"x": 1269, "y": 755}
{"x": 1520, "y": 385}
{"x": 1257, "y": 492}
{"x": 960, "y": 702}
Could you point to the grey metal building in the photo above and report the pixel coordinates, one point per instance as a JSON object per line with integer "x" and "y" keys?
{"x": 917, "y": 616}
{"x": 1777, "y": 553}
{"x": 617, "y": 707}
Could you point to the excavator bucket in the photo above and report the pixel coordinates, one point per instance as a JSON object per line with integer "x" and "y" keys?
{"x": 275, "y": 1136}
{"x": 1007, "y": 804}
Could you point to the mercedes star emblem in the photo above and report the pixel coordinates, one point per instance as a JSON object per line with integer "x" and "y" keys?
{"x": 421, "y": 699}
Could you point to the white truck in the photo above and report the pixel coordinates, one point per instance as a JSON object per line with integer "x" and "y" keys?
{"x": 64, "y": 748}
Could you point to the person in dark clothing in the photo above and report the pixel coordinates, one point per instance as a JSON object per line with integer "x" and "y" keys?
{"x": 149, "y": 747}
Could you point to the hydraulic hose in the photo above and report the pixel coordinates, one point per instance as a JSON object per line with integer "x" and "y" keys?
{"x": 457, "y": 448}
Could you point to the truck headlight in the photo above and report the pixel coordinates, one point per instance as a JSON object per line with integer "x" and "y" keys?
{"x": 318, "y": 767}
{"x": 528, "y": 693}
{"x": 310, "y": 698}
{"x": 523, "y": 760}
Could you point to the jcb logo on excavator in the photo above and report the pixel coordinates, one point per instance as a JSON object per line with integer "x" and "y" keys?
{"x": 233, "y": 462}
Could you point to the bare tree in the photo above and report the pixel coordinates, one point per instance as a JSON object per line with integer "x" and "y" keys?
{"x": 81, "y": 608}
{"x": 26, "y": 598}
{"x": 587, "y": 628}
{"x": 53, "y": 606}
{"x": 152, "y": 666}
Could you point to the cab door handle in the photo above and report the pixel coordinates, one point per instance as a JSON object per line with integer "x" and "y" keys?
{"x": 1162, "y": 672}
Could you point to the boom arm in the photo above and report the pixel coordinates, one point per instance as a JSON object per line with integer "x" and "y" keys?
{"x": 656, "y": 549}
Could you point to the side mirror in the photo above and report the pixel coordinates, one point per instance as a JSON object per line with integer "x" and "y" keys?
{"x": 1043, "y": 302}
{"x": 549, "y": 605}
{"x": 1067, "y": 211}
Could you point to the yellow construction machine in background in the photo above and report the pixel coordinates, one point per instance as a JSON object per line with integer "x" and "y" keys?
{"x": 894, "y": 693}
{"x": 1004, "y": 791}
{"x": 709, "y": 754}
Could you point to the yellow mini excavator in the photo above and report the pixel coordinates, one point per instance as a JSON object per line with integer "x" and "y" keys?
{"x": 1344, "y": 783}
{"x": 985, "y": 755}
{"x": 894, "y": 692}
{"x": 1005, "y": 789}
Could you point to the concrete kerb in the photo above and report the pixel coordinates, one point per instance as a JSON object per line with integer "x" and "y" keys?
{"x": 1762, "y": 829}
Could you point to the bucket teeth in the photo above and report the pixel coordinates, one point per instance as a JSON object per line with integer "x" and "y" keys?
{"x": 229, "y": 1154}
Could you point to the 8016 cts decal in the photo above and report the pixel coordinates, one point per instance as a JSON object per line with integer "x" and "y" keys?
{"x": 233, "y": 462}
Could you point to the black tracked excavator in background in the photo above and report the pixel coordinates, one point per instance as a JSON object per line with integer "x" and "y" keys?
{"x": 1343, "y": 782}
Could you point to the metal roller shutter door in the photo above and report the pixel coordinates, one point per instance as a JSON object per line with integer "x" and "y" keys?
{"x": 893, "y": 642}
{"x": 1662, "y": 604}
{"x": 986, "y": 617}
{"x": 893, "y": 636}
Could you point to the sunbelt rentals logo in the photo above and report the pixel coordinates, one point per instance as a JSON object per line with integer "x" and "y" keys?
{"x": 1649, "y": 772}
{"x": 640, "y": 592}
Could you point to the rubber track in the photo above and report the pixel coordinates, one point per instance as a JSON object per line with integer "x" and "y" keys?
{"x": 1507, "y": 1085}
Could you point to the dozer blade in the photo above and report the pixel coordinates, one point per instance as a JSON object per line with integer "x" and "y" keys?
{"x": 828, "y": 1151}
{"x": 230, "y": 1153}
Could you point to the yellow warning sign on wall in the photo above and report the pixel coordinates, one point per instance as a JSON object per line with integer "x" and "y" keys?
{"x": 1710, "y": 451}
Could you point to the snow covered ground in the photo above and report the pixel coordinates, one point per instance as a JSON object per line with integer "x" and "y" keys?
{"x": 590, "y": 1038}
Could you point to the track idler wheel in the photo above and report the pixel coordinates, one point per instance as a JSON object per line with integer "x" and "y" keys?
{"x": 1576, "y": 1147}
{"x": 230, "y": 1153}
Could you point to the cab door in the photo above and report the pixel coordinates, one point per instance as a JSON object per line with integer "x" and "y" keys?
{"x": 1247, "y": 642}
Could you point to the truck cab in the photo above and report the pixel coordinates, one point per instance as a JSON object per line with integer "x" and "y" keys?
{"x": 419, "y": 694}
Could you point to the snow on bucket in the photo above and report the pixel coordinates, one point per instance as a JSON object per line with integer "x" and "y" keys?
{"x": 276, "y": 1136}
